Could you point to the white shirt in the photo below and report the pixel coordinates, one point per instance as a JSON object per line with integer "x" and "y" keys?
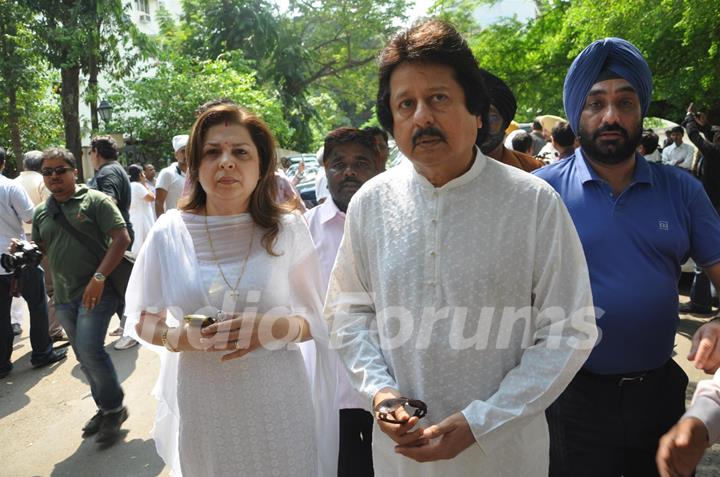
{"x": 326, "y": 223}
{"x": 34, "y": 185}
{"x": 173, "y": 183}
{"x": 321, "y": 187}
{"x": 653, "y": 157}
{"x": 15, "y": 208}
{"x": 683, "y": 153}
{"x": 706, "y": 406}
{"x": 416, "y": 301}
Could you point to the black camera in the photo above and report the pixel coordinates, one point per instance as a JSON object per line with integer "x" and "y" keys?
{"x": 28, "y": 255}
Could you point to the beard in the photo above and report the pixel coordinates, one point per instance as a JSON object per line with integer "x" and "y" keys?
{"x": 492, "y": 141}
{"x": 610, "y": 151}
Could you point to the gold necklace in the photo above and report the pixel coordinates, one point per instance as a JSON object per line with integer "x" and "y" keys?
{"x": 233, "y": 290}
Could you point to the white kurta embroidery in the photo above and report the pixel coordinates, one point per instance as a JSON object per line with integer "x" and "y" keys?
{"x": 451, "y": 261}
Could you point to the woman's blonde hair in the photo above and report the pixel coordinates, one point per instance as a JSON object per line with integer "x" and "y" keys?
{"x": 263, "y": 209}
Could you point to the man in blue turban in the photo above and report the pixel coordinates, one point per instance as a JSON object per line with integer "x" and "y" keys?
{"x": 638, "y": 222}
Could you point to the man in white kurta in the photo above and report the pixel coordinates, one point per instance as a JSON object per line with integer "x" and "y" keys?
{"x": 460, "y": 281}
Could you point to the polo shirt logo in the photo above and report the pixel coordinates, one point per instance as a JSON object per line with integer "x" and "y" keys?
{"x": 80, "y": 217}
{"x": 663, "y": 225}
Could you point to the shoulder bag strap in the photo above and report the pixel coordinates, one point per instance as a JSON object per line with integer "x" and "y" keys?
{"x": 89, "y": 242}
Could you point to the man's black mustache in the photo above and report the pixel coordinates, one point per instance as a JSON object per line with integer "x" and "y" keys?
{"x": 350, "y": 181}
{"x": 430, "y": 131}
{"x": 611, "y": 128}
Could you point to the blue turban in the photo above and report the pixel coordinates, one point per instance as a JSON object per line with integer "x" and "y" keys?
{"x": 614, "y": 54}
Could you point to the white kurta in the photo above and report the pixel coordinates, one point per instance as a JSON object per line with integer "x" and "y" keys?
{"x": 431, "y": 272}
{"x": 248, "y": 416}
{"x": 142, "y": 215}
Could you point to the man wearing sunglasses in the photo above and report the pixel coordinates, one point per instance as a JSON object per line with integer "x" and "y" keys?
{"x": 84, "y": 303}
{"x": 16, "y": 208}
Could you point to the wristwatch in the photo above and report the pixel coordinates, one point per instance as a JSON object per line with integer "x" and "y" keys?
{"x": 99, "y": 277}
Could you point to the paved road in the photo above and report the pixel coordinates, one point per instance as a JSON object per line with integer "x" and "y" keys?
{"x": 42, "y": 413}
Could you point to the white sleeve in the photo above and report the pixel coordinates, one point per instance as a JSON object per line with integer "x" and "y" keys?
{"x": 706, "y": 406}
{"x": 565, "y": 332}
{"x": 350, "y": 313}
{"x": 164, "y": 180}
{"x": 21, "y": 203}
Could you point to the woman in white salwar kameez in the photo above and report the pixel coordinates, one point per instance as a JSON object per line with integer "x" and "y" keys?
{"x": 234, "y": 397}
{"x": 142, "y": 215}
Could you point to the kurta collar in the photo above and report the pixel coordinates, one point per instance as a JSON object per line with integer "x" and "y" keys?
{"x": 328, "y": 211}
{"x": 475, "y": 170}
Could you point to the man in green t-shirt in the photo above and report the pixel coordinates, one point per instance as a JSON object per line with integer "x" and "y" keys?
{"x": 83, "y": 302}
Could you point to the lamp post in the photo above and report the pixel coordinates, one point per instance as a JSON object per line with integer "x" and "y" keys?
{"x": 105, "y": 111}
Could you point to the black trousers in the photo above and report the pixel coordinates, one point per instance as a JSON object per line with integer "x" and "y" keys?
{"x": 33, "y": 290}
{"x": 355, "y": 456}
{"x": 609, "y": 426}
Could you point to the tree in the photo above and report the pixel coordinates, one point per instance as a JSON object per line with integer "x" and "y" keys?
{"x": 162, "y": 103}
{"x": 71, "y": 35}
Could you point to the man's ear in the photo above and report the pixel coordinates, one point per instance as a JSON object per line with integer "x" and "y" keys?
{"x": 479, "y": 122}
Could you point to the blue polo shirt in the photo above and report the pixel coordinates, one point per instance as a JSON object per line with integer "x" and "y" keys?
{"x": 634, "y": 244}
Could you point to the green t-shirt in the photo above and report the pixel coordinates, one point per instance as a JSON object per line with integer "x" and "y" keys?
{"x": 73, "y": 265}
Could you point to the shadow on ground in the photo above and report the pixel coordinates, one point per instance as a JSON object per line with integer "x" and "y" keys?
{"x": 136, "y": 458}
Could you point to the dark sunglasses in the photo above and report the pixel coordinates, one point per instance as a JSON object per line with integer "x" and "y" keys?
{"x": 55, "y": 171}
{"x": 414, "y": 407}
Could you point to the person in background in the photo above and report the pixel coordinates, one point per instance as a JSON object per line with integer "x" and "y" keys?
{"x": 149, "y": 170}
{"x": 678, "y": 153}
{"x": 171, "y": 180}
{"x": 32, "y": 182}
{"x": 538, "y": 138}
{"x": 351, "y": 156}
{"x": 16, "y": 208}
{"x": 648, "y": 147}
{"x": 502, "y": 111}
{"x": 563, "y": 140}
{"x": 522, "y": 142}
{"x": 84, "y": 303}
{"x": 709, "y": 174}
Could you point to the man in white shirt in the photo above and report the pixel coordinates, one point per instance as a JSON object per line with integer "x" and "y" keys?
{"x": 678, "y": 153}
{"x": 440, "y": 293}
{"x": 351, "y": 158}
{"x": 171, "y": 180}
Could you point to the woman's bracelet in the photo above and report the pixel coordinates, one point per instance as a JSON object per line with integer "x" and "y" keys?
{"x": 165, "y": 342}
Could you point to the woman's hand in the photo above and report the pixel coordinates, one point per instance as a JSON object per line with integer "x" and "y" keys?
{"x": 247, "y": 332}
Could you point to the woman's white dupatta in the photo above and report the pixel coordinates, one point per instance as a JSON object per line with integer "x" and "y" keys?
{"x": 166, "y": 277}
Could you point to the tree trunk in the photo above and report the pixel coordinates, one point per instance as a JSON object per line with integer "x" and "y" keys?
{"x": 71, "y": 116}
{"x": 13, "y": 123}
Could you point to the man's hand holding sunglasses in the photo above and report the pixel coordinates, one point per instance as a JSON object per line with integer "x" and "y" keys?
{"x": 395, "y": 421}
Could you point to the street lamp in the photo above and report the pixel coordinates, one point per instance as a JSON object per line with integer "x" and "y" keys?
{"x": 105, "y": 111}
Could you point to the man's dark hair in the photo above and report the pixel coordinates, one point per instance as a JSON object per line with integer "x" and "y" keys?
{"x": 2, "y": 156}
{"x": 678, "y": 129}
{"x": 105, "y": 146}
{"x": 536, "y": 126}
{"x": 649, "y": 141}
{"x": 212, "y": 103}
{"x": 32, "y": 161}
{"x": 522, "y": 142}
{"x": 563, "y": 134}
{"x": 434, "y": 42}
{"x": 341, "y": 136}
{"x": 59, "y": 152}
{"x": 376, "y": 131}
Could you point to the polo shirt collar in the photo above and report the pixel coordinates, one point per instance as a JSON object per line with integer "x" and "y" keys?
{"x": 328, "y": 211}
{"x": 641, "y": 175}
{"x": 53, "y": 207}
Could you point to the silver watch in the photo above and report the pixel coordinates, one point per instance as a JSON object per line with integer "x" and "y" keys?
{"x": 99, "y": 277}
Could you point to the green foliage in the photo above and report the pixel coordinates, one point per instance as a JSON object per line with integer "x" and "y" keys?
{"x": 679, "y": 38}
{"x": 162, "y": 103}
